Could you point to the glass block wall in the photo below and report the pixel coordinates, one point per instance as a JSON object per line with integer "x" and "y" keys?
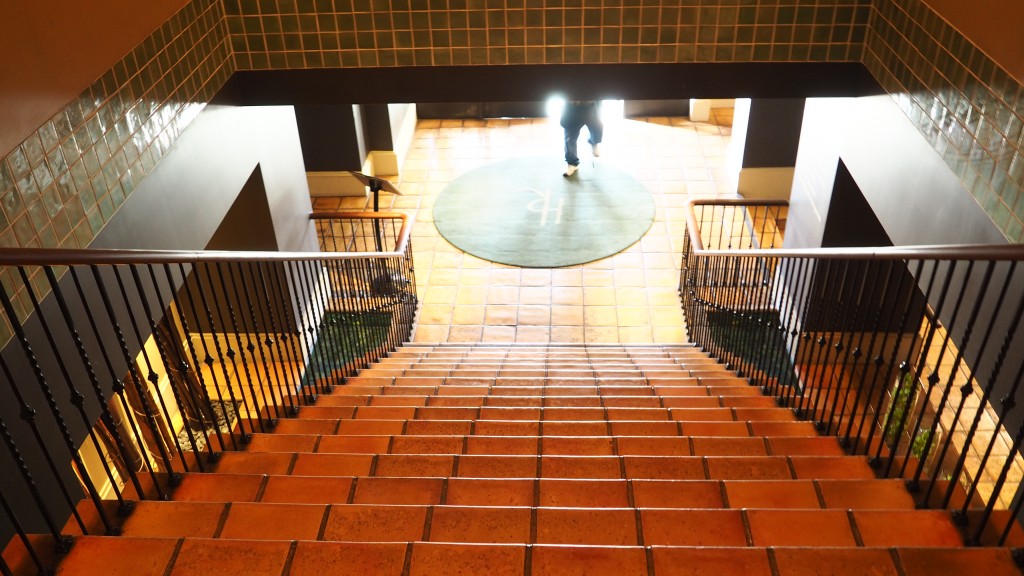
{"x": 965, "y": 105}
{"x": 64, "y": 182}
{"x": 59, "y": 187}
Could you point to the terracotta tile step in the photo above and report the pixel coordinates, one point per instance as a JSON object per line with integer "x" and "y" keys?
{"x": 626, "y": 526}
{"x": 693, "y": 372}
{"x": 552, "y": 444}
{"x": 563, "y": 414}
{"x": 551, "y": 492}
{"x": 327, "y": 418}
{"x": 548, "y": 466}
{"x": 156, "y": 556}
{"x": 546, "y": 398}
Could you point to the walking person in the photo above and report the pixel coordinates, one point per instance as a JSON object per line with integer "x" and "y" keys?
{"x": 576, "y": 115}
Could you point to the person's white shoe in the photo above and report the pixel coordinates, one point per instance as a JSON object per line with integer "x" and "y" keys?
{"x": 570, "y": 170}
{"x": 596, "y": 148}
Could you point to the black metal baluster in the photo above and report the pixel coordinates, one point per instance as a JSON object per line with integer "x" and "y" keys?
{"x": 51, "y": 402}
{"x": 907, "y": 308}
{"x": 805, "y": 276}
{"x": 206, "y": 401}
{"x": 986, "y": 389}
{"x": 844, "y": 348}
{"x": 117, "y": 387}
{"x": 153, "y": 376}
{"x": 183, "y": 366}
{"x": 292, "y": 342}
{"x": 210, "y": 361}
{"x": 251, "y": 333}
{"x": 1018, "y": 500}
{"x": 1007, "y": 403}
{"x": 62, "y": 542}
{"x": 244, "y": 404}
{"x": 309, "y": 379}
{"x": 19, "y": 531}
{"x": 224, "y": 290}
{"x": 273, "y": 339}
{"x": 77, "y": 398}
{"x": 808, "y": 407}
{"x": 967, "y": 388}
{"x": 317, "y": 275}
{"x": 134, "y": 376}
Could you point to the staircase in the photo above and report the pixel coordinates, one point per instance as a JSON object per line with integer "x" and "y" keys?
{"x": 539, "y": 460}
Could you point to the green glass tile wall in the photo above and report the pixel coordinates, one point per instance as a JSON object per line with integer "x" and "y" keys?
{"x": 59, "y": 187}
{"x": 969, "y": 109}
{"x": 330, "y": 33}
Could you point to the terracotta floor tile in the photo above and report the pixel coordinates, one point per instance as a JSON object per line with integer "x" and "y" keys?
{"x": 490, "y": 492}
{"x": 571, "y": 414}
{"x": 632, "y": 402}
{"x": 776, "y": 414}
{"x": 443, "y": 413}
{"x": 509, "y": 413}
{"x": 575, "y": 428}
{"x": 953, "y": 562}
{"x": 783, "y": 429}
{"x": 583, "y": 493}
{"x": 577, "y": 446}
{"x": 370, "y": 427}
{"x": 806, "y": 446}
{"x": 645, "y": 428}
{"x": 582, "y": 467}
{"x": 307, "y": 490}
{"x": 503, "y": 445}
{"x": 457, "y": 401}
{"x": 262, "y": 521}
{"x": 638, "y": 414}
{"x": 354, "y": 445}
{"x": 332, "y": 465}
{"x": 506, "y": 428}
{"x": 866, "y": 494}
{"x": 317, "y": 558}
{"x": 692, "y": 402}
{"x": 800, "y": 528}
{"x": 771, "y": 494}
{"x": 837, "y": 562}
{"x": 384, "y": 413}
{"x": 728, "y": 446}
{"x": 687, "y": 415}
{"x": 912, "y": 528}
{"x": 664, "y": 468}
{"x": 204, "y": 557}
{"x": 156, "y": 519}
{"x": 375, "y": 490}
{"x": 693, "y": 528}
{"x": 254, "y": 463}
{"x": 588, "y": 561}
{"x": 612, "y": 527}
{"x": 427, "y": 444}
{"x": 304, "y": 426}
{"x": 433, "y": 559}
{"x": 401, "y": 401}
{"x": 414, "y": 465}
{"x": 677, "y": 494}
{"x": 748, "y": 468}
{"x": 513, "y": 401}
{"x": 481, "y": 466}
{"x": 366, "y": 523}
{"x": 718, "y": 429}
{"x": 327, "y": 412}
{"x": 832, "y": 468}
{"x": 122, "y": 556}
{"x": 711, "y": 561}
{"x": 653, "y": 446}
{"x": 476, "y": 524}
{"x": 200, "y": 487}
{"x": 438, "y": 427}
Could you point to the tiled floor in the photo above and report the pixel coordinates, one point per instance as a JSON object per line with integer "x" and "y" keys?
{"x": 630, "y": 297}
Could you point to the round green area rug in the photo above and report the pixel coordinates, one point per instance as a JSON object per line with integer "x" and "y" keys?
{"x": 523, "y": 212}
